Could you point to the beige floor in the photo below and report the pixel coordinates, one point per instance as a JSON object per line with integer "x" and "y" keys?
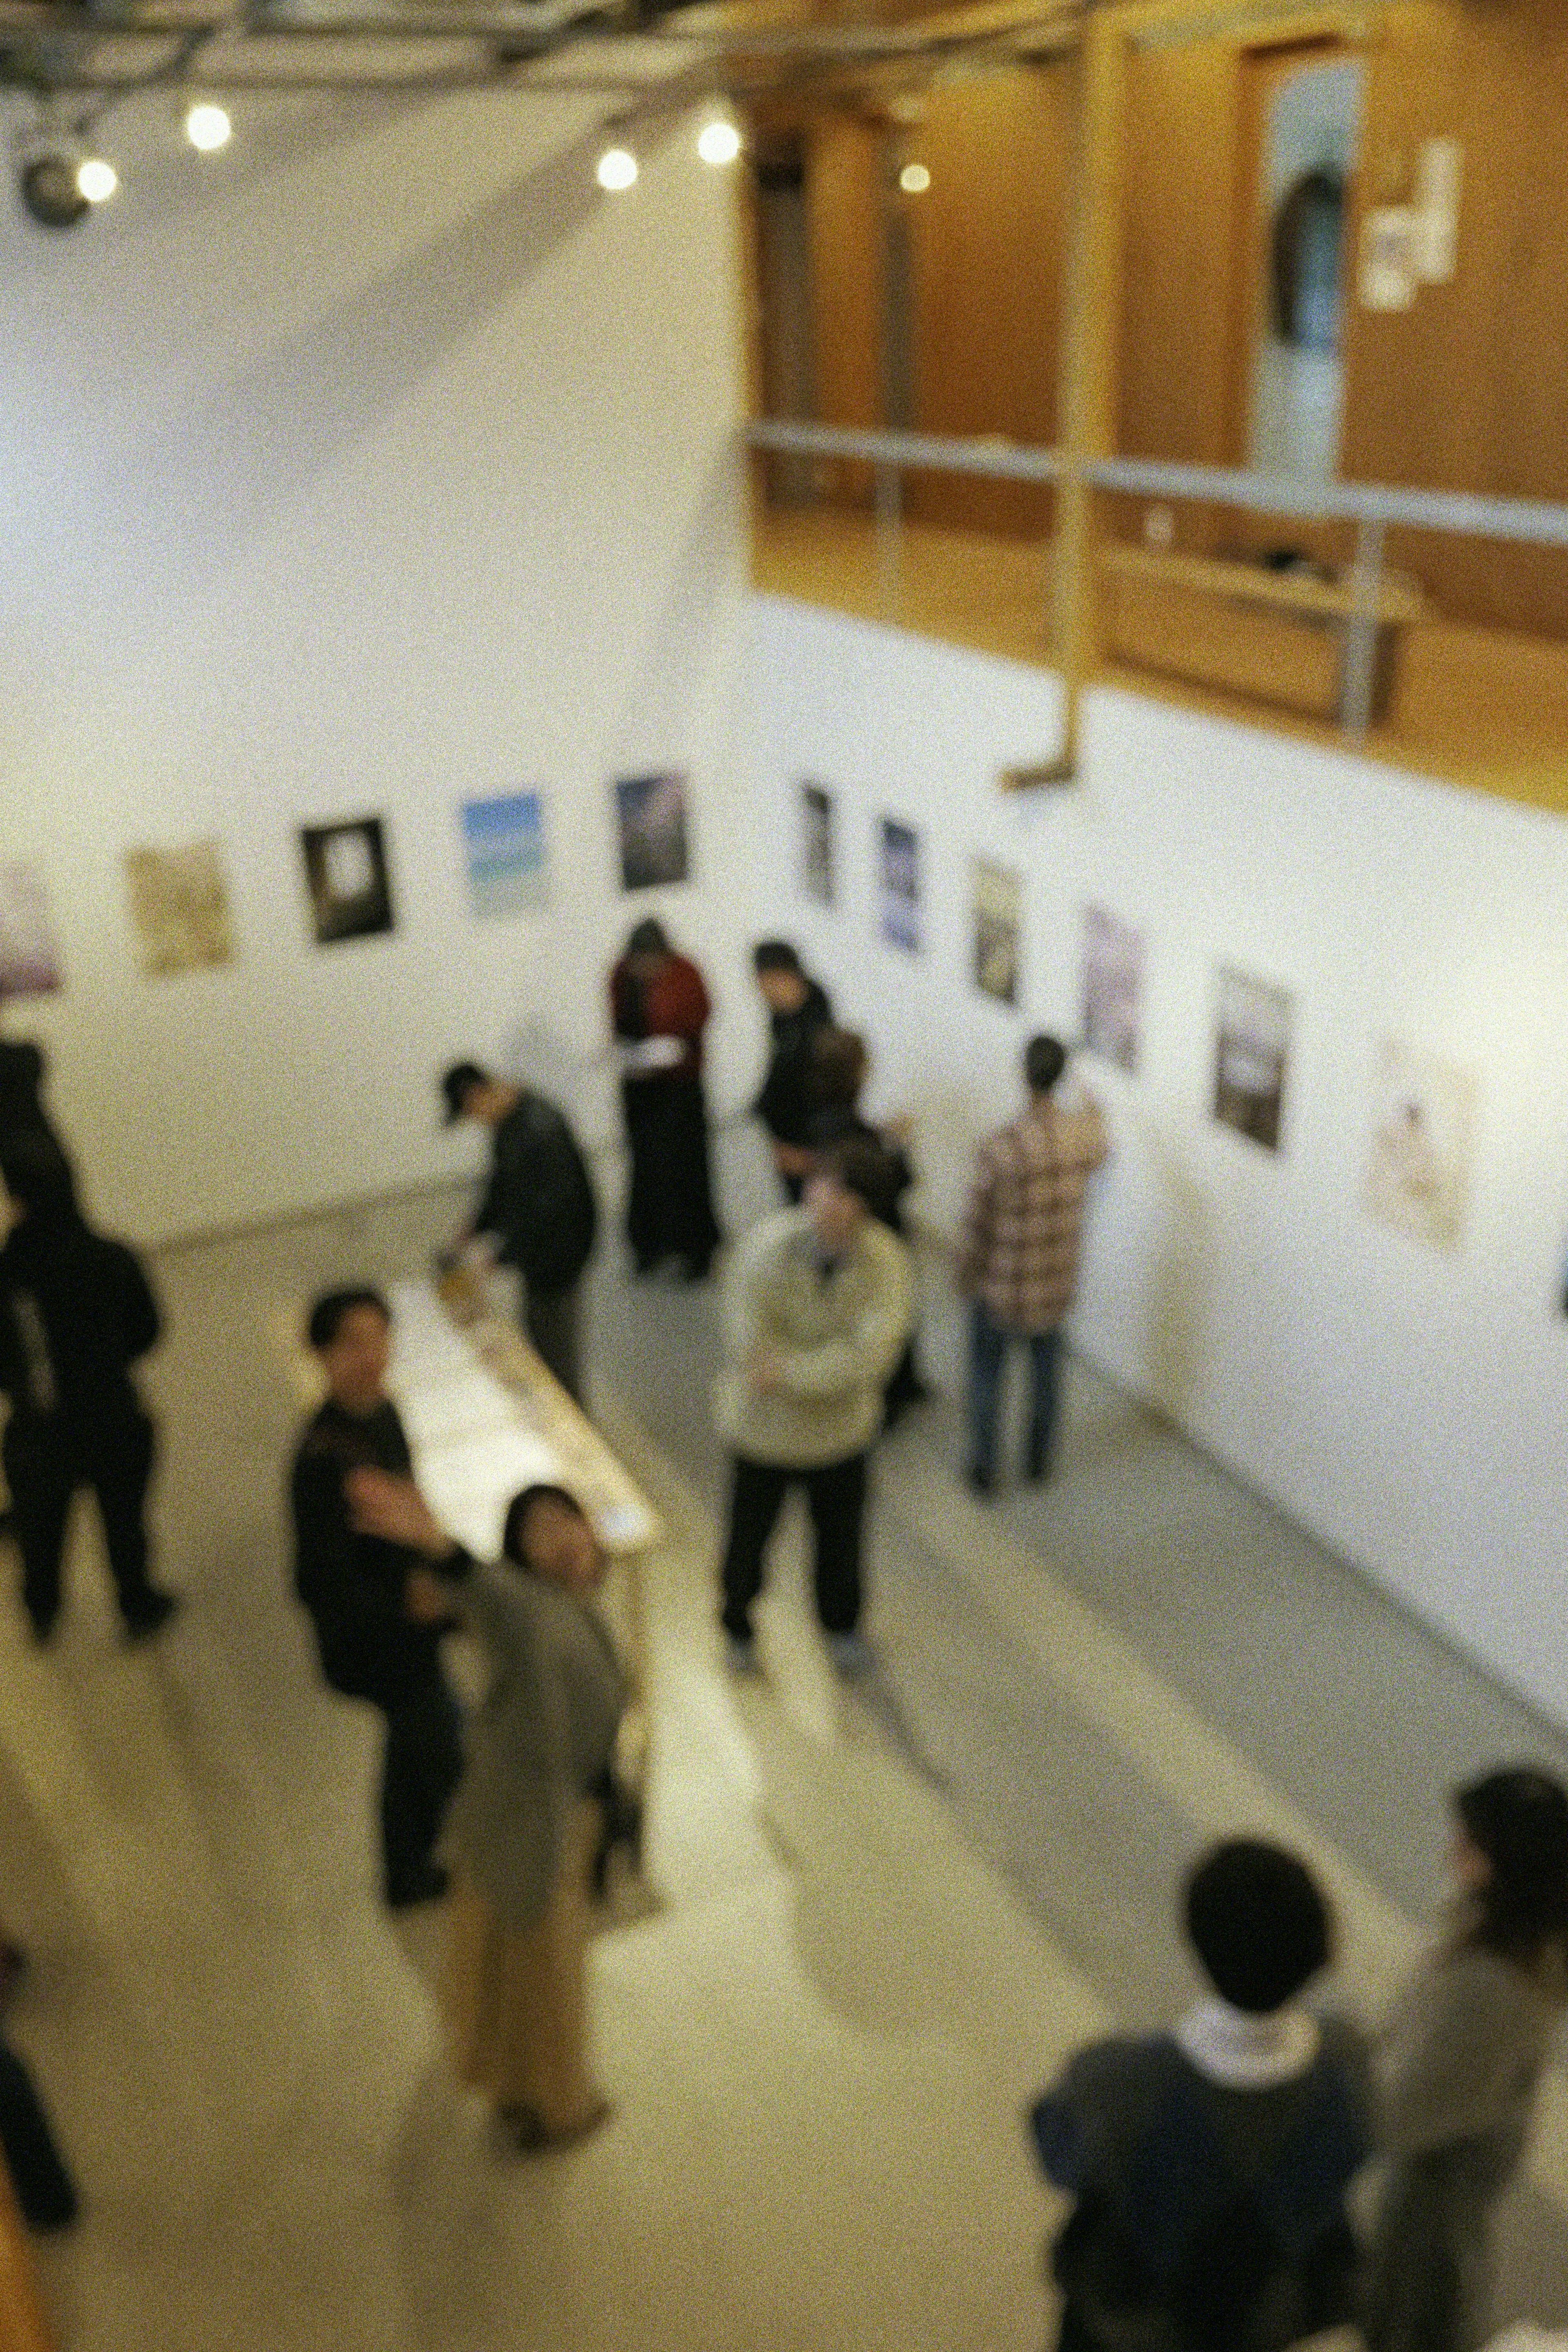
{"x": 818, "y": 2047}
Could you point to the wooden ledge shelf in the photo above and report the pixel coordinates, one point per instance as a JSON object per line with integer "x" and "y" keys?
{"x": 1274, "y": 636}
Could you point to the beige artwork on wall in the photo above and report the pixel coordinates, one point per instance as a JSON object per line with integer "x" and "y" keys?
{"x": 179, "y": 908}
{"x": 1418, "y": 1163}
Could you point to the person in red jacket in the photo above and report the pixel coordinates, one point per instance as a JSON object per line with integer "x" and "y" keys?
{"x": 659, "y": 1010}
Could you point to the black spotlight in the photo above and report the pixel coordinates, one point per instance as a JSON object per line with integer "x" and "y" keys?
{"x": 50, "y": 193}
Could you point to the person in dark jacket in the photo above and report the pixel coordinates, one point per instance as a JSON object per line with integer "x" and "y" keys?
{"x": 659, "y": 1010}
{"x": 75, "y": 1313}
{"x": 841, "y": 1067}
{"x": 377, "y": 1635}
{"x": 22, "y": 1112}
{"x": 797, "y": 1009}
{"x": 538, "y": 1203}
{"x": 1210, "y": 2165}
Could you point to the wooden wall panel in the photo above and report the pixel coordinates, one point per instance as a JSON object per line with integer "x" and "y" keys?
{"x": 844, "y": 199}
{"x": 988, "y": 243}
{"x": 1469, "y": 389}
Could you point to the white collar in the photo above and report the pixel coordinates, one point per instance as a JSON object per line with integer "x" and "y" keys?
{"x": 1247, "y": 2053}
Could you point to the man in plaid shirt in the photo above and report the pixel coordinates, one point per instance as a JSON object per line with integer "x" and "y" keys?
{"x": 1018, "y": 1261}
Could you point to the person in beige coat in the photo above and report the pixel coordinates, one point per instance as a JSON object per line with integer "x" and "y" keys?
{"x": 817, "y": 1303}
{"x": 1018, "y": 1262}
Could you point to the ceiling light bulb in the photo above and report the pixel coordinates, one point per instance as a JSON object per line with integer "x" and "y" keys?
{"x": 209, "y": 128}
{"x": 618, "y": 169}
{"x": 914, "y": 179}
{"x": 719, "y": 142}
{"x": 97, "y": 180}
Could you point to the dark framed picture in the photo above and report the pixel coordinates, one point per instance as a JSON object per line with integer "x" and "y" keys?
{"x": 650, "y": 820}
{"x": 816, "y": 846}
{"x": 1252, "y": 1052}
{"x": 998, "y": 903}
{"x": 346, "y": 878}
{"x": 900, "y": 891}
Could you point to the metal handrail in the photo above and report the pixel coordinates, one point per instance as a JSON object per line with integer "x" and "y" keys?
{"x": 1458, "y": 512}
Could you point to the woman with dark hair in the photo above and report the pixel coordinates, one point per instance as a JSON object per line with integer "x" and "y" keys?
{"x": 526, "y": 1822}
{"x": 1462, "y": 2062}
{"x": 75, "y": 1313}
{"x": 658, "y": 1011}
{"x": 840, "y": 1066}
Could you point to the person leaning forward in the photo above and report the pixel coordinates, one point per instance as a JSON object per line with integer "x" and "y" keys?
{"x": 538, "y": 1203}
{"x": 377, "y": 1629}
{"x": 818, "y": 1302}
{"x": 528, "y": 1815}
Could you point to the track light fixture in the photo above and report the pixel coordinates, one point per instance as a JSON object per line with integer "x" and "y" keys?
{"x": 207, "y": 127}
{"x": 718, "y": 142}
{"x": 618, "y": 169}
{"x": 59, "y": 177}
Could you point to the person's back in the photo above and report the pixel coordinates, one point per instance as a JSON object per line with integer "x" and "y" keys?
{"x": 541, "y": 1199}
{"x": 79, "y": 1312}
{"x": 1023, "y": 1232}
{"x": 1210, "y": 2165}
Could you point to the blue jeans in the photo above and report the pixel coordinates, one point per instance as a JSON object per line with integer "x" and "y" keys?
{"x": 988, "y": 1346}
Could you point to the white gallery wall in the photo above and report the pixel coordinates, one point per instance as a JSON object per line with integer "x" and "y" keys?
{"x": 1408, "y": 1402}
{"x": 378, "y": 463}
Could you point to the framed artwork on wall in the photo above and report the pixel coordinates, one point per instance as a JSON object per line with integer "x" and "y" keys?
{"x": 179, "y": 908}
{"x": 1418, "y": 1157}
{"x": 997, "y": 904}
{"x": 346, "y": 878}
{"x": 898, "y": 886}
{"x": 1252, "y": 1052}
{"x": 504, "y": 847}
{"x": 29, "y": 952}
{"x": 650, "y": 821}
{"x": 818, "y": 876}
{"x": 1113, "y": 988}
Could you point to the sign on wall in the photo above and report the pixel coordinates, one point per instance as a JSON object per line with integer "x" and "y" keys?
{"x": 898, "y": 886}
{"x": 29, "y": 952}
{"x": 1418, "y": 1160}
{"x": 503, "y": 843}
{"x": 651, "y": 819}
{"x": 179, "y": 908}
{"x": 1111, "y": 988}
{"x": 998, "y": 903}
{"x": 346, "y": 877}
{"x": 817, "y": 844}
{"x": 1252, "y": 1052}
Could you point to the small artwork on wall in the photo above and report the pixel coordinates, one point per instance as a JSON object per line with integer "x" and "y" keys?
{"x": 179, "y": 908}
{"x": 998, "y": 912}
{"x": 346, "y": 876}
{"x": 651, "y": 818}
{"x": 1113, "y": 988}
{"x": 503, "y": 842}
{"x": 816, "y": 846}
{"x": 1252, "y": 1050}
{"x": 899, "y": 890}
{"x": 1418, "y": 1163}
{"x": 29, "y": 952}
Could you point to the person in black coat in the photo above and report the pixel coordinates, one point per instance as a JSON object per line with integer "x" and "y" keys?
{"x": 798, "y": 1010}
{"x": 539, "y": 1202}
{"x": 840, "y": 1067}
{"x": 75, "y": 1313}
{"x": 22, "y": 1112}
{"x": 377, "y": 1636}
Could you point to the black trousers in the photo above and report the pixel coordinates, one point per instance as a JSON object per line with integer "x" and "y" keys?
{"x": 421, "y": 1763}
{"x": 45, "y": 1461}
{"x": 670, "y": 1204}
{"x": 553, "y": 1321}
{"x": 835, "y": 1497}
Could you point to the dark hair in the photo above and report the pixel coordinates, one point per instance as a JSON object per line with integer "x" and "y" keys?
{"x": 864, "y": 1168}
{"x": 648, "y": 937}
{"x": 330, "y": 1311}
{"x": 1044, "y": 1059}
{"x": 839, "y": 1064}
{"x": 517, "y": 1512}
{"x": 456, "y": 1084}
{"x": 37, "y": 1175}
{"x": 1518, "y": 1817}
{"x": 1258, "y": 1923}
{"x": 774, "y": 955}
